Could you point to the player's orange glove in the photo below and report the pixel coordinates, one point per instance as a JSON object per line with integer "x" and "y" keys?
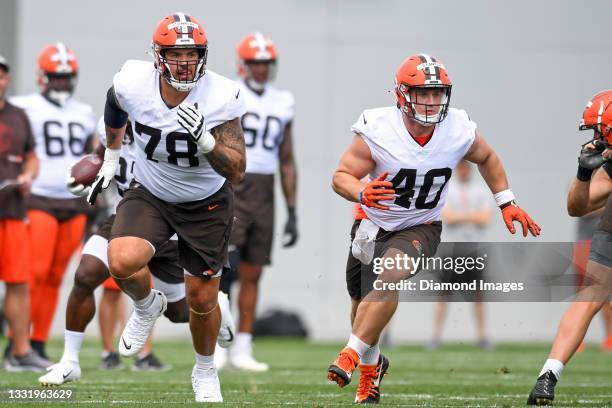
{"x": 377, "y": 190}
{"x": 512, "y": 212}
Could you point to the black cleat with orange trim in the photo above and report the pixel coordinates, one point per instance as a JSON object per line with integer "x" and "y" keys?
{"x": 370, "y": 377}
{"x": 342, "y": 369}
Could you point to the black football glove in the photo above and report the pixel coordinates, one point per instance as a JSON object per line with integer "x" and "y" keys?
{"x": 290, "y": 236}
{"x": 590, "y": 159}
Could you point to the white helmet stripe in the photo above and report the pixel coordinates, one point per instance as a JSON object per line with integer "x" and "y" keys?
{"x": 63, "y": 57}
{"x": 259, "y": 42}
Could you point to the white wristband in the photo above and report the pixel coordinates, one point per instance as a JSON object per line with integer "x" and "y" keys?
{"x": 504, "y": 197}
{"x": 207, "y": 142}
{"x": 112, "y": 155}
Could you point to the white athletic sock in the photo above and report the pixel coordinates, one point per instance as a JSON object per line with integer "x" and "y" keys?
{"x": 205, "y": 362}
{"x": 143, "y": 304}
{"x": 370, "y": 357}
{"x": 242, "y": 343}
{"x": 356, "y": 344}
{"x": 553, "y": 365}
{"x": 72, "y": 345}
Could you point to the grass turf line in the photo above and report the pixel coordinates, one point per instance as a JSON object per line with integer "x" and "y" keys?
{"x": 455, "y": 375}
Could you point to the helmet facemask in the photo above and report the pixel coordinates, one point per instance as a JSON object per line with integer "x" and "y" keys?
{"x": 58, "y": 87}
{"x": 599, "y": 123}
{"x": 249, "y": 77}
{"x": 410, "y": 104}
{"x": 165, "y": 65}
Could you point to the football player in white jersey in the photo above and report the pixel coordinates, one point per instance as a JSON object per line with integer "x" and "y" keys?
{"x": 62, "y": 127}
{"x": 409, "y": 151}
{"x": 190, "y": 148}
{"x": 269, "y": 147}
{"x": 167, "y": 275}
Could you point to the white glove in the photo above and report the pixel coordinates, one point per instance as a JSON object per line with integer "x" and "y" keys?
{"x": 105, "y": 175}
{"x": 190, "y": 118}
{"x": 78, "y": 190}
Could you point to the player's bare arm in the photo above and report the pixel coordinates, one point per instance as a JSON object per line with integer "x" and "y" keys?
{"x": 587, "y": 196}
{"x": 355, "y": 164}
{"x": 228, "y": 158}
{"x": 115, "y": 120}
{"x": 489, "y": 164}
{"x": 492, "y": 170}
{"x": 288, "y": 170}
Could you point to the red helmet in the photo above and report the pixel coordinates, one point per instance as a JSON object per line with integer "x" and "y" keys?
{"x": 422, "y": 71}
{"x": 179, "y": 30}
{"x": 57, "y": 72}
{"x": 256, "y": 48}
{"x": 597, "y": 115}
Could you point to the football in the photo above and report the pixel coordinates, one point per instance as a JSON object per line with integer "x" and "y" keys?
{"x": 85, "y": 170}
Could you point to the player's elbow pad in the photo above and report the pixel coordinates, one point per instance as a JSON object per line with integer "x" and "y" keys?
{"x": 114, "y": 116}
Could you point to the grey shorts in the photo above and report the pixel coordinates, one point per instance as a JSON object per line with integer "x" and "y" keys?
{"x": 601, "y": 248}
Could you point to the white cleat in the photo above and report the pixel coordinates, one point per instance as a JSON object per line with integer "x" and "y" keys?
{"x": 228, "y": 328}
{"x": 139, "y": 327}
{"x": 246, "y": 362}
{"x": 61, "y": 373}
{"x": 205, "y": 384}
{"x": 220, "y": 357}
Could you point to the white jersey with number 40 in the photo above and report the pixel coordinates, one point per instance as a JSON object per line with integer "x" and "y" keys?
{"x": 169, "y": 163}
{"x": 264, "y": 126}
{"x": 419, "y": 174}
{"x": 61, "y": 134}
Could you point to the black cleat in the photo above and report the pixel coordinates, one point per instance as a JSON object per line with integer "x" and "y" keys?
{"x": 149, "y": 363}
{"x": 110, "y": 361}
{"x": 370, "y": 377}
{"x": 543, "y": 392}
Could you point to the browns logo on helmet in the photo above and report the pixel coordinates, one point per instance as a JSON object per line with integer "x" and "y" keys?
{"x": 180, "y": 31}
{"x": 257, "y": 50}
{"x": 418, "y": 76}
{"x": 57, "y": 72}
{"x": 597, "y": 116}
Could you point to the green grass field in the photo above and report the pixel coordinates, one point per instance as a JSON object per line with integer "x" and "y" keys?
{"x": 455, "y": 375}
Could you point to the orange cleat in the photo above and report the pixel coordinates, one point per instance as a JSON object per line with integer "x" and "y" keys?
{"x": 342, "y": 369}
{"x": 370, "y": 377}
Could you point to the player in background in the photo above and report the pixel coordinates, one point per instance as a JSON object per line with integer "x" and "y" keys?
{"x": 18, "y": 168}
{"x": 166, "y": 274}
{"x": 465, "y": 217}
{"x": 112, "y": 317}
{"x": 267, "y": 126}
{"x": 409, "y": 151}
{"x": 62, "y": 127}
{"x": 585, "y": 228}
{"x": 590, "y": 190}
{"x": 190, "y": 150}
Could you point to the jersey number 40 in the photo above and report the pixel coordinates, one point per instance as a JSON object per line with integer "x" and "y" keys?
{"x": 407, "y": 192}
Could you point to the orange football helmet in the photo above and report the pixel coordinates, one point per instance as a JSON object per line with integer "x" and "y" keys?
{"x": 597, "y": 115}
{"x": 57, "y": 72}
{"x": 179, "y": 30}
{"x": 252, "y": 49}
{"x": 422, "y": 71}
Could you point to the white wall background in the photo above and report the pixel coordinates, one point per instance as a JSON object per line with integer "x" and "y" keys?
{"x": 522, "y": 69}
